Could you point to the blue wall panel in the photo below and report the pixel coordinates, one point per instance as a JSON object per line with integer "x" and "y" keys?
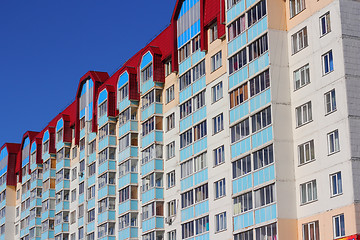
{"x": 199, "y": 85}
{"x": 185, "y": 94}
{"x": 187, "y": 183}
{"x": 242, "y": 184}
{"x": 238, "y": 77}
{"x": 186, "y": 152}
{"x": 257, "y": 29}
{"x": 260, "y": 100}
{"x": 237, "y": 43}
{"x": 197, "y": 57}
{"x": 186, "y": 123}
{"x": 259, "y": 64}
{"x": 199, "y": 115}
{"x": 200, "y": 145}
{"x": 187, "y": 214}
{"x": 240, "y": 147}
{"x": 243, "y": 221}
{"x": 239, "y": 112}
{"x": 264, "y": 175}
{"x": 265, "y": 214}
{"x": 262, "y": 137}
{"x": 184, "y": 66}
{"x": 201, "y": 176}
{"x": 235, "y": 11}
{"x": 201, "y": 208}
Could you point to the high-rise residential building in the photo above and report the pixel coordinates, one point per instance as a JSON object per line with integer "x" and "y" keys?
{"x": 241, "y": 120}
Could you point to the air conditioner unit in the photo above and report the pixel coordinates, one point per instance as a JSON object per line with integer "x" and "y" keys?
{"x": 81, "y": 174}
{"x": 168, "y": 220}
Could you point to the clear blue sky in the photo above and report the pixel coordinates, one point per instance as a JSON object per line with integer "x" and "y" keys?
{"x": 47, "y": 46}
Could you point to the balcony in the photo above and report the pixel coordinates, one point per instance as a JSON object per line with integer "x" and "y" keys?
{"x": 265, "y": 214}
{"x": 154, "y": 108}
{"x": 187, "y": 213}
{"x": 129, "y": 205}
{"x": 36, "y": 183}
{"x": 102, "y": 120}
{"x": 48, "y": 194}
{"x": 51, "y": 173}
{"x": 201, "y": 208}
{"x": 63, "y": 227}
{"x": 186, "y": 123}
{"x": 258, "y": 64}
{"x": 130, "y": 178}
{"x": 108, "y": 215}
{"x": 153, "y": 223}
{"x": 240, "y": 147}
{"x": 185, "y": 94}
{"x": 107, "y": 190}
{"x": 242, "y": 184}
{"x": 244, "y": 220}
{"x": 47, "y": 235}
{"x": 238, "y": 77}
{"x": 239, "y": 112}
{"x": 235, "y": 11}
{"x": 61, "y": 206}
{"x": 130, "y": 126}
{"x": 35, "y": 203}
{"x": 107, "y": 142}
{"x": 199, "y": 85}
{"x": 199, "y": 115}
{"x": 264, "y": 175}
{"x": 123, "y": 104}
{"x": 200, "y": 145}
{"x": 64, "y": 184}
{"x": 152, "y": 194}
{"x": 186, "y": 152}
{"x": 47, "y": 214}
{"x": 107, "y": 166}
{"x": 262, "y": 137}
{"x": 127, "y": 153}
{"x": 257, "y": 29}
{"x": 35, "y": 222}
{"x": 153, "y": 165}
{"x": 260, "y": 100}
{"x": 63, "y": 163}
{"x": 129, "y": 232}
{"x": 154, "y": 136}
{"x": 91, "y": 180}
{"x": 147, "y": 85}
{"x": 237, "y": 43}
{"x": 92, "y": 157}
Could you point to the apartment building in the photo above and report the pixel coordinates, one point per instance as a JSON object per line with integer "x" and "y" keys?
{"x": 239, "y": 121}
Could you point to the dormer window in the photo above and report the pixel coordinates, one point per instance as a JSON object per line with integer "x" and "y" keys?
{"x": 123, "y": 92}
{"x": 59, "y": 135}
{"x": 46, "y": 147}
{"x": 33, "y": 157}
{"x": 103, "y": 108}
{"x": 82, "y": 123}
{"x": 147, "y": 73}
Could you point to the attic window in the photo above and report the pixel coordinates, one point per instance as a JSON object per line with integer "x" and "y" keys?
{"x": 147, "y": 73}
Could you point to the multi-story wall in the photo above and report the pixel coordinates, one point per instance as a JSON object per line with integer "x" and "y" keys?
{"x": 239, "y": 121}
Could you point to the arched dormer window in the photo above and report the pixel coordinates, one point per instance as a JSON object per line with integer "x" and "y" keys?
{"x": 60, "y": 130}
{"x": 123, "y": 87}
{"x": 146, "y": 68}
{"x": 103, "y": 103}
{"x": 33, "y": 153}
{"x": 45, "y": 147}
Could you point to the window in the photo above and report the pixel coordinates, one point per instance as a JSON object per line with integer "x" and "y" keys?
{"x": 82, "y": 166}
{"x": 336, "y": 184}
{"x": 186, "y": 138}
{"x": 261, "y": 119}
{"x": 187, "y": 199}
{"x": 170, "y": 150}
{"x": 74, "y": 152}
{"x": 248, "y": 235}
{"x": 147, "y": 100}
{"x": 199, "y": 101}
{"x": 202, "y": 225}
{"x": 241, "y": 167}
{"x": 327, "y": 62}
{"x": 263, "y": 157}
{"x": 333, "y": 142}
{"x": 82, "y": 123}
{"x": 213, "y": 32}
{"x": 184, "y": 52}
{"x": 296, "y": 6}
{"x": 171, "y": 179}
{"x": 311, "y": 231}
{"x": 217, "y": 92}
{"x": 216, "y": 61}
{"x": 301, "y": 77}
{"x": 218, "y": 123}
{"x": 81, "y": 188}
{"x": 220, "y": 188}
{"x": 91, "y": 215}
{"x": 185, "y": 80}
{"x": 325, "y": 24}
{"x": 330, "y": 102}
{"x": 185, "y": 109}
{"x": 256, "y": 13}
{"x": 306, "y": 152}
{"x": 220, "y": 222}
{"x": 172, "y": 235}
{"x": 167, "y": 68}
{"x": 240, "y": 131}
{"x": 147, "y": 73}
{"x": 148, "y": 126}
{"x": 171, "y": 206}
{"x": 238, "y": 96}
{"x": 103, "y": 109}
{"x": 195, "y": 43}
{"x": 124, "y": 143}
{"x": 264, "y": 196}
{"x": 59, "y": 135}
{"x": 299, "y": 40}
{"x": 170, "y": 94}
{"x": 200, "y": 162}
{"x": 231, "y": 3}
{"x": 73, "y": 217}
{"x": 201, "y": 193}
{"x": 170, "y": 121}
{"x": 186, "y": 168}
{"x": 303, "y": 114}
{"x": 81, "y": 233}
{"x": 237, "y": 61}
{"x": 124, "y": 194}
{"x": 243, "y": 203}
{"x": 258, "y": 47}
{"x": 91, "y": 192}
{"x": 73, "y": 195}
{"x": 236, "y": 27}
{"x": 339, "y": 226}
{"x": 308, "y": 192}
{"x": 266, "y": 232}
{"x": 200, "y": 131}
{"x": 154, "y": 151}
{"x": 81, "y": 211}
{"x": 199, "y": 70}
{"x": 219, "y": 155}
{"x": 187, "y": 229}
{"x": 92, "y": 147}
{"x": 123, "y": 92}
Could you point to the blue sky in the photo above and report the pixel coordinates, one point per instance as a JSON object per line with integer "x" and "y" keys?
{"x": 47, "y": 46}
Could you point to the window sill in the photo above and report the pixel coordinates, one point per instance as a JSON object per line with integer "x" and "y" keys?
{"x": 217, "y": 132}
{"x": 307, "y": 162}
{"x": 324, "y": 74}
{"x": 295, "y": 90}
{"x": 297, "y": 13}
{"x": 213, "y": 71}
{"x": 222, "y": 230}
{"x": 304, "y": 124}
{"x": 219, "y": 164}
{"x": 336, "y": 195}
{"x": 329, "y": 154}
{"x": 306, "y": 203}
{"x": 299, "y": 50}
{"x": 326, "y": 114}
{"x": 223, "y": 196}
{"x": 325, "y": 34}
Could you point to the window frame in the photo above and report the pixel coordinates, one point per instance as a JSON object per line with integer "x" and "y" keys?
{"x": 330, "y": 63}
{"x": 308, "y": 187}
{"x": 339, "y": 185}
{"x": 327, "y": 23}
{"x": 216, "y": 61}
{"x": 341, "y": 229}
{"x": 336, "y": 142}
{"x": 332, "y": 101}
{"x": 299, "y": 40}
{"x": 218, "y": 123}
{"x": 299, "y": 112}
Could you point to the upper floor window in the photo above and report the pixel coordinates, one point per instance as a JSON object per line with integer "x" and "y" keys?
{"x": 336, "y": 184}
{"x": 59, "y": 135}
{"x": 261, "y": 119}
{"x": 170, "y": 122}
{"x": 303, "y": 114}
{"x": 339, "y": 226}
{"x": 170, "y": 179}
{"x": 259, "y": 83}
{"x": 186, "y": 138}
{"x": 220, "y": 188}
{"x": 240, "y": 130}
{"x": 185, "y": 80}
{"x": 330, "y": 101}
{"x": 301, "y": 77}
{"x": 103, "y": 109}
{"x": 311, "y": 231}
{"x": 148, "y": 126}
{"x": 237, "y": 61}
{"x": 82, "y": 123}
{"x": 256, "y": 13}
{"x": 213, "y": 32}
{"x": 299, "y": 40}
{"x": 236, "y": 27}
{"x": 170, "y": 94}
{"x": 147, "y": 73}
{"x": 327, "y": 62}
{"x": 218, "y": 123}
{"x": 199, "y": 101}
{"x": 308, "y": 192}
{"x": 46, "y": 146}
{"x": 170, "y": 150}
{"x": 185, "y": 109}
{"x": 231, "y": 3}
{"x": 184, "y": 52}
{"x": 258, "y": 47}
{"x": 325, "y": 24}
{"x": 238, "y": 96}
{"x": 333, "y": 142}
{"x": 241, "y": 167}
{"x": 243, "y": 203}
{"x": 200, "y": 131}
{"x": 219, "y": 155}
{"x": 306, "y": 152}
{"x": 199, "y": 70}
{"x": 216, "y": 61}
{"x": 217, "y": 92}
{"x": 220, "y": 222}
{"x": 296, "y": 6}
{"x": 263, "y": 157}
{"x": 148, "y": 99}
{"x": 123, "y": 92}
{"x": 167, "y": 68}
{"x": 265, "y": 196}
{"x": 195, "y": 43}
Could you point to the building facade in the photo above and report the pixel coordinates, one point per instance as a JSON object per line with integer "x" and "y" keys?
{"x": 239, "y": 121}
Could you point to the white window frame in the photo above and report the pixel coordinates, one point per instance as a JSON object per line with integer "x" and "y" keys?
{"x": 333, "y": 142}
{"x": 220, "y": 222}
{"x": 325, "y": 59}
{"x": 217, "y": 92}
{"x": 218, "y": 123}
{"x": 330, "y": 101}
{"x": 213, "y": 32}
{"x": 219, "y": 155}
{"x": 307, "y": 152}
{"x": 170, "y": 150}
{"x": 301, "y": 77}
{"x": 303, "y": 114}
{"x": 220, "y": 188}
{"x": 308, "y": 192}
{"x": 336, "y": 188}
{"x": 216, "y": 61}
{"x": 296, "y": 7}
{"x": 170, "y": 94}
{"x": 325, "y": 24}
{"x": 306, "y": 232}
{"x": 339, "y": 226}
{"x": 171, "y": 180}
{"x": 170, "y": 122}
{"x": 299, "y": 40}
